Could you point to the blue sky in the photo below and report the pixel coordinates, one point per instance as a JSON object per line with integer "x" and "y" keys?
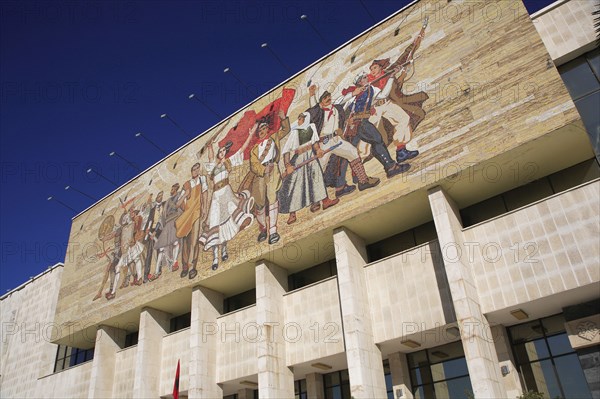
{"x": 79, "y": 79}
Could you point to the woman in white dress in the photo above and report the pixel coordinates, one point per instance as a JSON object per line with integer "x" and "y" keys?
{"x": 229, "y": 212}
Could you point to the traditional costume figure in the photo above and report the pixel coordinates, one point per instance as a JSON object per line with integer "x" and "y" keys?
{"x": 303, "y": 184}
{"x": 229, "y": 213}
{"x": 131, "y": 248}
{"x": 359, "y": 100}
{"x": 329, "y": 120}
{"x": 113, "y": 261}
{"x": 151, "y": 231}
{"x": 194, "y": 201}
{"x": 398, "y": 116}
{"x": 264, "y": 178}
{"x": 167, "y": 242}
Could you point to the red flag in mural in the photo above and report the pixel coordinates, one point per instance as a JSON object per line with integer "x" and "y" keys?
{"x": 270, "y": 115}
{"x": 176, "y": 383}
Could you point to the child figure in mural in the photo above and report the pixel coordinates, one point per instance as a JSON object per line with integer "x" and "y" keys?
{"x": 152, "y": 228}
{"x": 264, "y": 178}
{"x": 229, "y": 213}
{"x": 303, "y": 184}
{"x": 131, "y": 249}
{"x": 167, "y": 242}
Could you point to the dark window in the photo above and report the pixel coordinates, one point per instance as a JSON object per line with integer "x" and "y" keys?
{"x": 401, "y": 242}
{"x": 440, "y": 372}
{"x": 582, "y": 78}
{"x": 239, "y": 301}
{"x": 131, "y": 339}
{"x": 387, "y": 373}
{"x": 337, "y": 385}
{"x": 530, "y": 192}
{"x": 312, "y": 275}
{"x": 180, "y": 322}
{"x": 300, "y": 389}
{"x": 256, "y": 394}
{"x": 545, "y": 359}
{"x": 67, "y": 356}
{"x": 234, "y": 396}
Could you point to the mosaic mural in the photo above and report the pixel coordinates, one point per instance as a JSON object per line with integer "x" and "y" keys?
{"x": 292, "y": 161}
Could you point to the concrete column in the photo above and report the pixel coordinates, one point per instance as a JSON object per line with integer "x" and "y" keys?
{"x": 154, "y": 325}
{"x": 314, "y": 386}
{"x": 245, "y": 393}
{"x": 400, "y": 375}
{"x": 365, "y": 365}
{"x": 478, "y": 345}
{"x": 275, "y": 379}
{"x": 511, "y": 381}
{"x": 207, "y": 305}
{"x": 109, "y": 340}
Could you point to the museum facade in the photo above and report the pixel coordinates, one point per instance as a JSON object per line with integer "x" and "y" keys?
{"x": 416, "y": 215}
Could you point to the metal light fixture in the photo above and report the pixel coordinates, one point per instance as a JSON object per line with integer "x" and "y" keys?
{"x": 321, "y": 366}
{"x": 519, "y": 314}
{"x": 410, "y": 343}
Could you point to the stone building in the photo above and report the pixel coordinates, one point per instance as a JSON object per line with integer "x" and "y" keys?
{"x": 474, "y": 274}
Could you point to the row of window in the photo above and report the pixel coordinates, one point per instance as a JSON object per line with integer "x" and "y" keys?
{"x": 531, "y": 192}
{"x": 545, "y": 360}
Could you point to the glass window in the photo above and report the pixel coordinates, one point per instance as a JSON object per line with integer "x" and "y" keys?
{"x": 337, "y": 385}
{"x": 572, "y": 378}
{"x": 546, "y": 361}
{"x": 67, "y": 356}
{"x": 579, "y": 77}
{"x": 527, "y": 194}
{"x": 483, "y": 210}
{"x": 593, "y": 58}
{"x": 401, "y": 242}
{"x": 312, "y": 275}
{"x": 440, "y": 372}
{"x": 239, "y": 301}
{"x": 300, "y": 389}
{"x": 588, "y": 107}
{"x": 181, "y": 322}
{"x": 387, "y": 374}
{"x": 131, "y": 339}
{"x": 575, "y": 175}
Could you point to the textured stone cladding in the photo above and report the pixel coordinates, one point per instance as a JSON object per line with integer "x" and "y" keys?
{"x": 491, "y": 87}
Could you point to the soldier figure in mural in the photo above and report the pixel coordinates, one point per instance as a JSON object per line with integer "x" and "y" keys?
{"x": 359, "y": 100}
{"x": 264, "y": 178}
{"x": 329, "y": 119}
{"x": 151, "y": 231}
{"x": 398, "y": 116}
{"x": 194, "y": 201}
{"x": 229, "y": 213}
{"x": 167, "y": 242}
{"x": 303, "y": 184}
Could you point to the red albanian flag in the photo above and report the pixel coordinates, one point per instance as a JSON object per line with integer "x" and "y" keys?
{"x": 270, "y": 115}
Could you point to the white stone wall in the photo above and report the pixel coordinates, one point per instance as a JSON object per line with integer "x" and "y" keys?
{"x": 26, "y": 316}
{"x": 543, "y": 249}
{"x": 313, "y": 322}
{"x": 124, "y": 373}
{"x": 237, "y": 339}
{"x": 576, "y": 31}
{"x": 175, "y": 346}
{"x": 403, "y": 290}
{"x": 69, "y": 383}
